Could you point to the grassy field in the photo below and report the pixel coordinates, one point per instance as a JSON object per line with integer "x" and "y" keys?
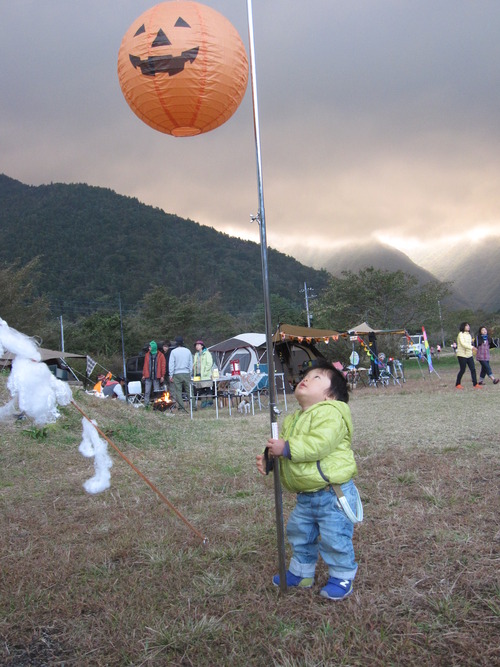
{"x": 118, "y": 579}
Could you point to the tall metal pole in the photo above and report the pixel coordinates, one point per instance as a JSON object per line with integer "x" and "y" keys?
{"x": 123, "y": 346}
{"x": 261, "y": 219}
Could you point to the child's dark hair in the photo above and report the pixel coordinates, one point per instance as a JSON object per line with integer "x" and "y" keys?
{"x": 462, "y": 326}
{"x": 339, "y": 389}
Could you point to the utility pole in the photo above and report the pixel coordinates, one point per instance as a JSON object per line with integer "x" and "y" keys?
{"x": 306, "y": 291}
{"x": 62, "y": 333}
{"x": 441, "y": 321}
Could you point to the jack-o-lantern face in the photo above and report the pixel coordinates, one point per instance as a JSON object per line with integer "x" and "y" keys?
{"x": 182, "y": 68}
{"x": 165, "y": 63}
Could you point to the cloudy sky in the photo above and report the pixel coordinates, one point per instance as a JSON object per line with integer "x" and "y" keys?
{"x": 380, "y": 119}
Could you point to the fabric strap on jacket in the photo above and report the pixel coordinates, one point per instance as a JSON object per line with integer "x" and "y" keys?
{"x": 353, "y": 518}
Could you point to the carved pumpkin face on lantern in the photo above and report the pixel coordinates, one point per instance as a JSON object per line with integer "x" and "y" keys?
{"x": 165, "y": 63}
{"x": 182, "y": 68}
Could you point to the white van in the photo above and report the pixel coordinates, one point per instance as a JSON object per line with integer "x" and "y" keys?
{"x": 414, "y": 346}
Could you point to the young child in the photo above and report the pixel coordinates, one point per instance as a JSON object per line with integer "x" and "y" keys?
{"x": 315, "y": 453}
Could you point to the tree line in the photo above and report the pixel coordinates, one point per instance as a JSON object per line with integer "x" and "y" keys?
{"x": 385, "y": 299}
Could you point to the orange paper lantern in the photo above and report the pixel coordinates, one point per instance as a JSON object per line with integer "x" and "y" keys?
{"x": 182, "y": 68}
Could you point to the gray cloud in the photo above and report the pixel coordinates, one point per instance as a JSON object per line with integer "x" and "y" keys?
{"x": 377, "y": 118}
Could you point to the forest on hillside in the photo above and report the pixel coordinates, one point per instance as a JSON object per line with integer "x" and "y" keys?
{"x": 93, "y": 245}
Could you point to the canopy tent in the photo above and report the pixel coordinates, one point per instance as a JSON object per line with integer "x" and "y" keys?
{"x": 47, "y": 355}
{"x": 380, "y": 370}
{"x": 290, "y": 332}
{"x": 295, "y": 347}
{"x": 364, "y": 329}
{"x": 55, "y": 358}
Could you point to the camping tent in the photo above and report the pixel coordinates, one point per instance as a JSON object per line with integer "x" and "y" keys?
{"x": 247, "y": 348}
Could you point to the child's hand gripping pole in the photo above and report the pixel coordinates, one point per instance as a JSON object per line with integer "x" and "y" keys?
{"x": 269, "y": 461}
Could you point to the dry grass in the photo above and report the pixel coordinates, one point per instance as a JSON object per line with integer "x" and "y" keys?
{"x": 117, "y": 578}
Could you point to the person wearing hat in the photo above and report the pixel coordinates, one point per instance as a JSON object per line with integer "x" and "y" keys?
{"x": 202, "y": 369}
{"x": 180, "y": 367}
{"x": 154, "y": 370}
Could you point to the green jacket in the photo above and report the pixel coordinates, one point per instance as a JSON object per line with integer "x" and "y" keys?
{"x": 320, "y": 442}
{"x": 202, "y": 364}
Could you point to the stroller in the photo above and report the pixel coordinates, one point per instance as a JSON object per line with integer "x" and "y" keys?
{"x": 383, "y": 373}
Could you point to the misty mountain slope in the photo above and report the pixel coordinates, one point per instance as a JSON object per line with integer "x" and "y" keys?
{"x": 379, "y": 256}
{"x": 476, "y": 274}
{"x": 471, "y": 268}
{"x": 474, "y": 269}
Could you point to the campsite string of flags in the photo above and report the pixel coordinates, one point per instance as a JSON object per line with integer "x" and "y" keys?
{"x": 368, "y": 351}
{"x": 308, "y": 339}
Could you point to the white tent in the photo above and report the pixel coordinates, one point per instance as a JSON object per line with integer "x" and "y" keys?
{"x": 247, "y": 348}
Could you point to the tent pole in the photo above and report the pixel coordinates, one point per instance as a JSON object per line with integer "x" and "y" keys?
{"x": 261, "y": 219}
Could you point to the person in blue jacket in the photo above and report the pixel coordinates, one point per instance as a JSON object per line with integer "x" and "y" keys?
{"x": 317, "y": 463}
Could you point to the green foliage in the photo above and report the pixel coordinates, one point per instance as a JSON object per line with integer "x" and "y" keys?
{"x": 384, "y": 299}
{"x": 99, "y": 333}
{"x": 21, "y": 306}
{"x": 282, "y": 311}
{"x": 37, "y": 433}
{"x": 162, "y": 316}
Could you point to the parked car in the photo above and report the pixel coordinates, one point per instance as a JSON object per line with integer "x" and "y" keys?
{"x": 413, "y": 347}
{"x": 134, "y": 367}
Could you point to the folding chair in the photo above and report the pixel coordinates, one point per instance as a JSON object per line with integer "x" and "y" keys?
{"x": 134, "y": 390}
{"x": 262, "y": 388}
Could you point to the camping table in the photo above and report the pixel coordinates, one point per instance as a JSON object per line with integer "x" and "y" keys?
{"x": 355, "y": 375}
{"x": 221, "y": 384}
{"x": 232, "y": 386}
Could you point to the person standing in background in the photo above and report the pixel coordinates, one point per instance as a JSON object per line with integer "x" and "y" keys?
{"x": 180, "y": 368}
{"x": 465, "y": 350}
{"x": 483, "y": 344}
{"x": 202, "y": 368}
{"x": 154, "y": 371}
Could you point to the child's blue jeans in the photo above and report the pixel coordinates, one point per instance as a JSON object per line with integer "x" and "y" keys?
{"x": 318, "y": 524}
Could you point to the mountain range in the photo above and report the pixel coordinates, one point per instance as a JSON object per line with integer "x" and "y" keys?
{"x": 471, "y": 268}
{"x": 93, "y": 243}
